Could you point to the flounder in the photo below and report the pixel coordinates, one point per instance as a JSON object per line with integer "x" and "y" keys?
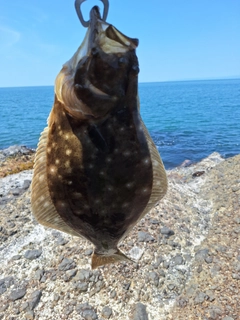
{"x": 97, "y": 171}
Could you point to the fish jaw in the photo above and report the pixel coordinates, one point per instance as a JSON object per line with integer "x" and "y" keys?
{"x": 102, "y": 259}
{"x": 93, "y": 81}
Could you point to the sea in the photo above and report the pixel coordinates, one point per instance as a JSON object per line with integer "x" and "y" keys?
{"x": 188, "y": 120}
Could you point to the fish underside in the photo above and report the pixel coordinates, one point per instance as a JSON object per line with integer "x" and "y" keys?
{"x": 97, "y": 171}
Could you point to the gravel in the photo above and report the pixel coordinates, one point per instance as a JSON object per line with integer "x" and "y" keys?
{"x": 185, "y": 251}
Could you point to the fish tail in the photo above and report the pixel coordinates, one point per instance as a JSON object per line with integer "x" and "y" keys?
{"x": 102, "y": 259}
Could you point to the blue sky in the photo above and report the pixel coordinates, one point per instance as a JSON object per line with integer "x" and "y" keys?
{"x": 179, "y": 39}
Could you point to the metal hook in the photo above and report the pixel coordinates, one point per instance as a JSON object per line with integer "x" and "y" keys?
{"x": 80, "y": 16}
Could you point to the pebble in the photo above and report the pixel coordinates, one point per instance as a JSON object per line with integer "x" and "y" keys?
{"x": 106, "y": 312}
{"x": 153, "y": 276}
{"x": 88, "y": 252}
{"x": 166, "y": 231}
{"x": 35, "y": 298}
{"x": 86, "y": 311}
{"x": 201, "y": 254}
{"x": 39, "y": 274}
{"x": 66, "y": 264}
{"x": 199, "y": 299}
{"x": 144, "y": 236}
{"x": 139, "y": 312}
{"x": 32, "y": 254}
{"x": 17, "y": 294}
{"x": 177, "y": 260}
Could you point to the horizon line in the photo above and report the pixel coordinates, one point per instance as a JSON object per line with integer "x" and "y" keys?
{"x": 140, "y": 82}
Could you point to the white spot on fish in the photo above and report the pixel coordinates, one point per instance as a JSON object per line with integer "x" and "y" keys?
{"x": 41, "y": 178}
{"x": 122, "y": 129}
{"x": 145, "y": 190}
{"x": 57, "y": 161}
{"x": 126, "y": 153}
{"x": 52, "y": 169}
{"x": 110, "y": 188}
{"x": 70, "y": 183}
{"x": 60, "y": 132}
{"x": 49, "y": 150}
{"x": 129, "y": 185}
{"x": 155, "y": 163}
{"x": 67, "y": 164}
{"x": 146, "y": 161}
{"x": 66, "y": 136}
{"x": 102, "y": 173}
{"x": 68, "y": 152}
{"x": 125, "y": 205}
{"x": 108, "y": 159}
{"x": 46, "y": 204}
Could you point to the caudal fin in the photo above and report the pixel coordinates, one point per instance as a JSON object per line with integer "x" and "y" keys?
{"x": 101, "y": 259}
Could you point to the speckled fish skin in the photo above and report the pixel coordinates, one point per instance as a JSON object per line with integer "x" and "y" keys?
{"x": 97, "y": 171}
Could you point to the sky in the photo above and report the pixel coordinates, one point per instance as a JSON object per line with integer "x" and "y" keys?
{"x": 179, "y": 39}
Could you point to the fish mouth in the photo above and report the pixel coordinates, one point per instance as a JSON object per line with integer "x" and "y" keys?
{"x": 96, "y": 77}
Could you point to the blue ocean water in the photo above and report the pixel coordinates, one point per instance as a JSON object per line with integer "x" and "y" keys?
{"x": 187, "y": 119}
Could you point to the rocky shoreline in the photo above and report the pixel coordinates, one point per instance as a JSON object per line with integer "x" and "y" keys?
{"x": 187, "y": 254}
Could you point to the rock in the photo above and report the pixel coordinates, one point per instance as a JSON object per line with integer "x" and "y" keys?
{"x": 139, "y": 312}
{"x": 83, "y": 275}
{"x": 66, "y": 264}
{"x": 106, "y": 312}
{"x": 26, "y": 184}
{"x": 3, "y": 287}
{"x": 145, "y": 237}
{"x": 154, "y": 278}
{"x": 61, "y": 241}
{"x": 16, "y": 257}
{"x": 136, "y": 253}
{"x": 17, "y": 294}
{"x": 81, "y": 286}
{"x": 201, "y": 254}
{"x": 39, "y": 274}
{"x": 236, "y": 276}
{"x": 200, "y": 298}
{"x": 126, "y": 286}
{"x": 177, "y": 260}
{"x": 6, "y": 283}
{"x": 29, "y": 314}
{"x": 88, "y": 252}
{"x": 35, "y": 298}
{"x": 166, "y": 231}
{"x": 86, "y": 311}
{"x": 71, "y": 273}
{"x": 13, "y": 150}
{"x": 32, "y": 254}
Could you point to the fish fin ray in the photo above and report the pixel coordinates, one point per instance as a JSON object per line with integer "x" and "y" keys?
{"x": 101, "y": 259}
{"x": 42, "y": 206}
{"x": 160, "y": 184}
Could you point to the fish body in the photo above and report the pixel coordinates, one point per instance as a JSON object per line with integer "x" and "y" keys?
{"x": 97, "y": 171}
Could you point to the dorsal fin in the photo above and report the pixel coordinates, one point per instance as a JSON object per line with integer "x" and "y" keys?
{"x": 42, "y": 205}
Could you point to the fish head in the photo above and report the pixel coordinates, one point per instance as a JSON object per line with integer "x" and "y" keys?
{"x": 97, "y": 77}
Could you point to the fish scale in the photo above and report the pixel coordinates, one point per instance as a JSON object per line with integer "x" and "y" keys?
{"x": 97, "y": 171}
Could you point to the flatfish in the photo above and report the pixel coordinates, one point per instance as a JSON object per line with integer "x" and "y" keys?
{"x": 97, "y": 171}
